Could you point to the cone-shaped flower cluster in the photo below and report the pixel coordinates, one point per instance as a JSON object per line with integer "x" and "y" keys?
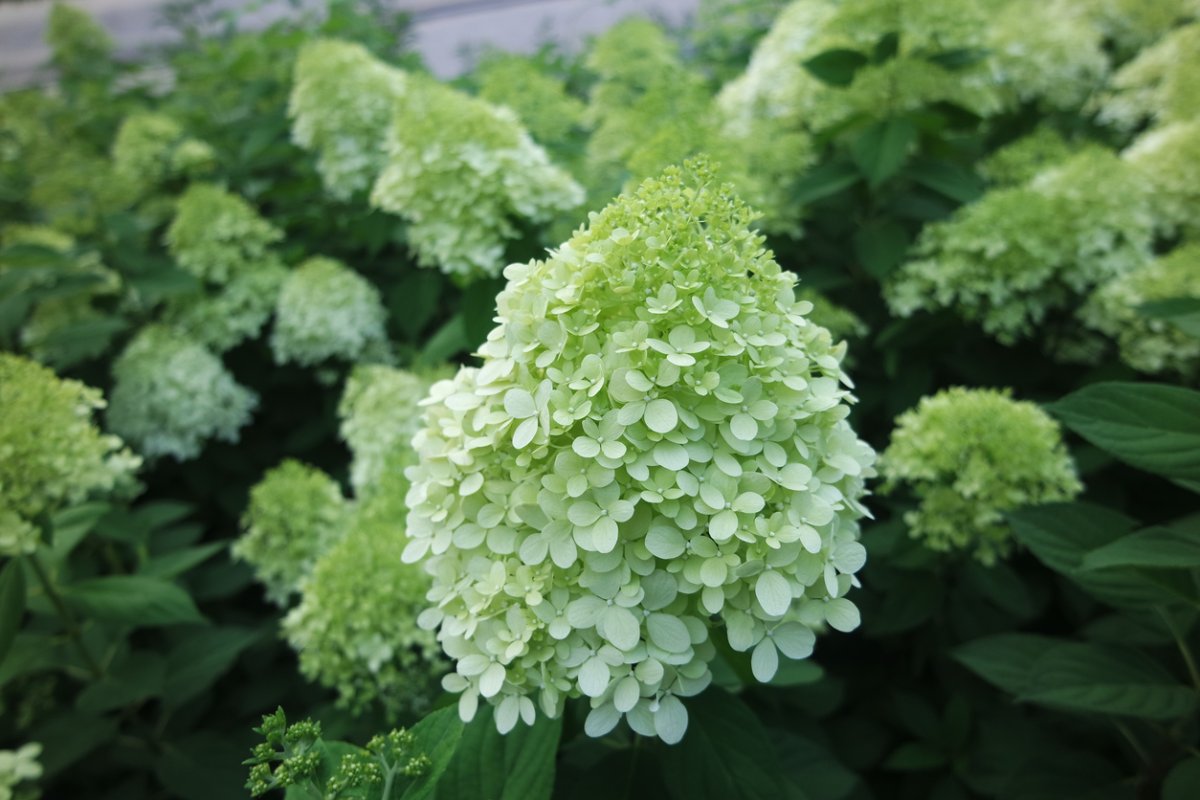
{"x": 1159, "y": 84}
{"x": 296, "y": 513}
{"x": 52, "y": 455}
{"x": 327, "y": 310}
{"x": 170, "y": 395}
{"x": 151, "y": 148}
{"x": 655, "y": 451}
{"x": 970, "y": 455}
{"x": 217, "y": 235}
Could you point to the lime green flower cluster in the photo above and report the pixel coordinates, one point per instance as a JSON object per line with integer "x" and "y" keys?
{"x": 79, "y": 45}
{"x": 842, "y": 323}
{"x": 19, "y": 766}
{"x": 1022, "y": 159}
{"x": 1148, "y": 344}
{"x": 152, "y": 148}
{"x": 170, "y": 395}
{"x": 76, "y": 190}
{"x": 355, "y": 628}
{"x": 342, "y": 103}
{"x": 655, "y": 444}
{"x": 1158, "y": 85}
{"x": 460, "y": 170}
{"x": 1133, "y": 24}
{"x": 327, "y": 310}
{"x": 1018, "y": 253}
{"x": 296, "y": 513}
{"x": 1168, "y": 160}
{"x": 538, "y": 98}
{"x": 223, "y": 241}
{"x": 970, "y": 456}
{"x": 52, "y": 455}
{"x": 380, "y": 416}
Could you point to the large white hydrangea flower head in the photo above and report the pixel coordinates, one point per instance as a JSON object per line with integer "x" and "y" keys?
{"x": 654, "y": 451}
{"x": 327, "y": 310}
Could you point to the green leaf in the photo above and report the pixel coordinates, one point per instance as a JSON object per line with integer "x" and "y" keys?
{"x": 12, "y": 603}
{"x": 437, "y": 736}
{"x": 414, "y": 300}
{"x": 74, "y": 734}
{"x": 479, "y": 309}
{"x": 1152, "y": 426}
{"x": 797, "y": 673}
{"x": 836, "y": 67}
{"x": 880, "y": 247}
{"x": 136, "y": 677}
{"x": 946, "y": 178}
{"x": 83, "y": 340}
{"x": 132, "y": 600}
{"x": 813, "y": 767}
{"x": 825, "y": 180}
{"x": 1182, "y": 312}
{"x": 915, "y": 757}
{"x": 204, "y": 765}
{"x": 726, "y": 754}
{"x": 1004, "y": 660}
{"x": 450, "y": 340}
{"x": 1153, "y": 547}
{"x": 72, "y": 524}
{"x": 518, "y": 765}
{"x": 1183, "y": 780}
{"x": 178, "y": 562}
{"x": 201, "y": 657}
{"x": 881, "y": 149}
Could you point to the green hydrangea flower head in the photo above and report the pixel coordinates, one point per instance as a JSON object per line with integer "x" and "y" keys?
{"x": 79, "y": 46}
{"x": 295, "y": 514}
{"x": 327, "y": 310}
{"x": 970, "y": 456}
{"x": 1145, "y": 343}
{"x": 18, "y": 766}
{"x": 152, "y": 148}
{"x": 170, "y": 395}
{"x": 1134, "y": 24}
{"x": 380, "y": 416}
{"x": 216, "y": 234}
{"x": 342, "y": 103}
{"x": 1158, "y": 85}
{"x": 76, "y": 190}
{"x": 841, "y": 322}
{"x": 222, "y": 316}
{"x": 655, "y": 447}
{"x": 1022, "y": 159}
{"x": 538, "y": 98}
{"x": 1167, "y": 159}
{"x": 1018, "y": 253}
{"x": 355, "y": 628}
{"x": 52, "y": 454}
{"x": 461, "y": 171}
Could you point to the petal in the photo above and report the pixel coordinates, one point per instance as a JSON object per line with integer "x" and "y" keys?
{"x": 794, "y": 640}
{"x": 492, "y": 680}
{"x": 670, "y": 720}
{"x": 765, "y": 661}
{"x": 594, "y": 676}
{"x": 669, "y": 455}
{"x": 723, "y": 526}
{"x": 585, "y": 447}
{"x": 601, "y": 720}
{"x": 749, "y": 503}
{"x": 620, "y": 627}
{"x": 627, "y": 693}
{"x": 583, "y": 513}
{"x": 525, "y": 432}
{"x": 661, "y": 416}
{"x": 519, "y": 404}
{"x": 664, "y": 542}
{"x": 744, "y": 427}
{"x": 774, "y": 593}
{"x": 604, "y": 535}
{"x": 668, "y": 632}
{"x": 713, "y": 572}
{"x": 842, "y": 615}
{"x": 507, "y": 713}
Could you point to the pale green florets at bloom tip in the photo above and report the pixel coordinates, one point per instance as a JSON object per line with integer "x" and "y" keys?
{"x": 295, "y": 514}
{"x": 970, "y": 456}
{"x": 327, "y": 310}
{"x": 222, "y": 316}
{"x": 18, "y": 766}
{"x": 151, "y": 148}
{"x": 655, "y": 447}
{"x": 1167, "y": 159}
{"x": 52, "y": 455}
{"x": 539, "y": 99}
{"x": 216, "y": 234}
{"x": 170, "y": 395}
{"x": 1022, "y": 159}
{"x": 1159, "y": 85}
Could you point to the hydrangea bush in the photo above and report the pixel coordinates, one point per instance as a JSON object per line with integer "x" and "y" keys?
{"x": 590, "y": 504}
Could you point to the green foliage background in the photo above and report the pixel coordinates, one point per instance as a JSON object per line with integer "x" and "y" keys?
{"x": 141, "y": 654}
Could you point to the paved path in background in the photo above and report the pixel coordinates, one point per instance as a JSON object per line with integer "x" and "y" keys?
{"x": 444, "y": 31}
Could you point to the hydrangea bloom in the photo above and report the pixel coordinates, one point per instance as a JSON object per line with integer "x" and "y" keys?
{"x": 17, "y": 766}
{"x": 296, "y": 513}
{"x": 222, "y": 316}
{"x": 1133, "y": 24}
{"x": 539, "y": 99}
{"x": 1019, "y": 252}
{"x": 355, "y": 628}
{"x": 216, "y": 235}
{"x": 170, "y": 395}
{"x": 460, "y": 171}
{"x": 1168, "y": 160}
{"x": 342, "y": 104}
{"x": 79, "y": 45}
{"x": 1159, "y": 84}
{"x": 842, "y": 323}
{"x": 327, "y": 310}
{"x": 151, "y": 148}
{"x": 1146, "y": 344}
{"x": 52, "y": 455}
{"x": 970, "y": 455}
{"x": 1022, "y": 159}
{"x": 380, "y": 416}
{"x": 656, "y": 444}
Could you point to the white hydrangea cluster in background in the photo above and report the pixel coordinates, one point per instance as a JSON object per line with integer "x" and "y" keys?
{"x": 221, "y": 317}
{"x": 19, "y": 766}
{"x": 1168, "y": 160}
{"x": 1159, "y": 85}
{"x": 151, "y": 148}
{"x": 460, "y": 170}
{"x": 342, "y": 103}
{"x": 1018, "y": 253}
{"x": 170, "y": 395}
{"x": 654, "y": 451}
{"x": 327, "y": 310}
{"x": 1148, "y": 344}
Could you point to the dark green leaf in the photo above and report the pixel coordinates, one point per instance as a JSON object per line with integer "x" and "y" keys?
{"x": 957, "y": 59}
{"x": 479, "y": 309}
{"x": 1182, "y": 312}
{"x": 201, "y": 657}
{"x": 74, "y": 734}
{"x": 169, "y": 565}
{"x": 1152, "y": 426}
{"x": 886, "y": 47}
{"x": 881, "y": 149}
{"x": 12, "y": 603}
{"x": 414, "y": 301}
{"x": 1004, "y": 660}
{"x": 1183, "y": 781}
{"x": 71, "y": 525}
{"x": 132, "y": 600}
{"x": 1163, "y": 547}
{"x": 449, "y": 341}
{"x": 946, "y": 178}
{"x": 881, "y": 247}
{"x": 136, "y": 677}
{"x": 825, "y": 180}
{"x": 725, "y": 755}
{"x": 836, "y": 67}
{"x": 437, "y": 736}
{"x": 518, "y": 765}
{"x": 813, "y": 767}
{"x": 915, "y": 757}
